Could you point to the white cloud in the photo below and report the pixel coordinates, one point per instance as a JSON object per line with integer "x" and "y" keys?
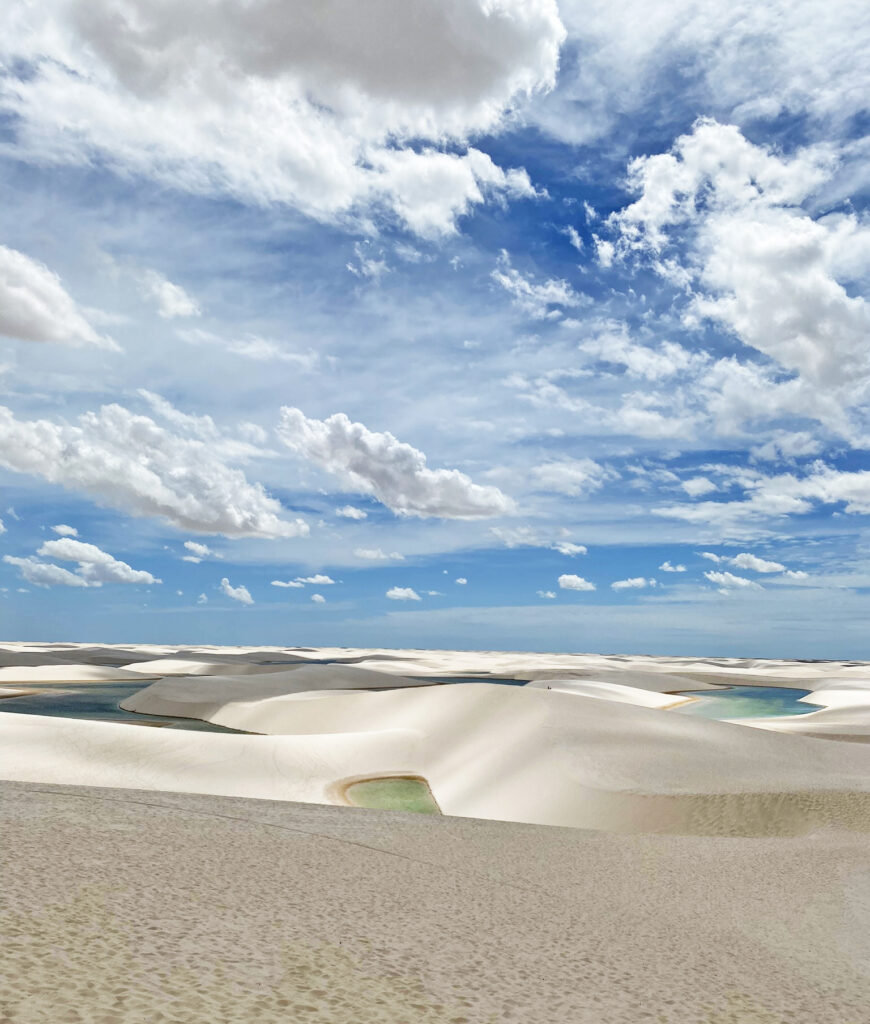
{"x": 323, "y": 107}
{"x": 746, "y": 560}
{"x": 35, "y": 306}
{"x": 574, "y": 237}
{"x": 351, "y": 512}
{"x": 44, "y": 574}
{"x": 548, "y": 594}
{"x": 394, "y": 472}
{"x": 540, "y": 301}
{"x": 568, "y": 581}
{"x": 403, "y": 594}
{"x": 572, "y": 476}
{"x": 770, "y": 272}
{"x": 377, "y": 555}
{"x": 172, "y": 300}
{"x": 318, "y": 598}
{"x": 318, "y": 579}
{"x": 131, "y": 463}
{"x": 197, "y": 552}
{"x": 728, "y": 581}
{"x": 712, "y": 557}
{"x": 667, "y": 567}
{"x": 202, "y": 599}
{"x": 528, "y": 536}
{"x": 697, "y": 486}
{"x": 62, "y": 530}
{"x": 240, "y": 593}
{"x": 461, "y": 580}
{"x": 290, "y": 584}
{"x": 613, "y": 344}
{"x": 634, "y": 583}
{"x": 94, "y": 565}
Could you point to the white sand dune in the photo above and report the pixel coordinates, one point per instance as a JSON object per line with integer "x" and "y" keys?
{"x": 590, "y": 742}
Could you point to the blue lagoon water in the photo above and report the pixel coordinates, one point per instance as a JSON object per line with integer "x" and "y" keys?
{"x": 746, "y": 702}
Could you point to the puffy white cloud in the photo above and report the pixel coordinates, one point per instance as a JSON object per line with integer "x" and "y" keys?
{"x": 461, "y": 580}
{"x": 95, "y": 566}
{"x": 667, "y": 567}
{"x": 197, "y": 552}
{"x": 403, "y": 594}
{"x": 132, "y": 463}
{"x": 172, "y": 300}
{"x": 698, "y": 485}
{"x": 568, "y": 581}
{"x": 62, "y": 530}
{"x": 240, "y": 593}
{"x": 35, "y": 306}
{"x": 540, "y": 301}
{"x": 289, "y": 584}
{"x": 566, "y": 547}
{"x": 769, "y": 272}
{"x": 634, "y": 583}
{"x": 377, "y": 555}
{"x": 318, "y": 579}
{"x": 394, "y": 472}
{"x": 351, "y": 512}
{"x": 728, "y": 581}
{"x": 746, "y": 560}
{"x": 547, "y": 594}
{"x": 45, "y": 574}
{"x": 711, "y": 556}
{"x": 202, "y": 599}
{"x": 613, "y": 344}
{"x": 321, "y": 106}
{"x": 318, "y": 598}
{"x": 572, "y": 476}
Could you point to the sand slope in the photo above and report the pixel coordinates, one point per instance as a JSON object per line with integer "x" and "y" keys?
{"x": 126, "y": 907}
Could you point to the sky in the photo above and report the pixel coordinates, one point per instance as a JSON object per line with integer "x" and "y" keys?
{"x": 479, "y": 324}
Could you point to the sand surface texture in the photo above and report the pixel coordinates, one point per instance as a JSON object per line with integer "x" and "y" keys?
{"x": 124, "y": 906}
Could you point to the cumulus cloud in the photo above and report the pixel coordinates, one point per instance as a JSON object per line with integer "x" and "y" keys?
{"x": 461, "y": 580}
{"x": 45, "y": 574}
{"x": 337, "y": 109}
{"x": 547, "y": 594}
{"x": 319, "y": 579}
{"x": 351, "y": 512}
{"x": 35, "y": 306}
{"x": 172, "y": 300}
{"x": 403, "y": 594}
{"x": 697, "y": 486}
{"x": 746, "y": 560}
{"x": 377, "y": 555}
{"x": 394, "y": 472}
{"x": 768, "y": 270}
{"x": 202, "y": 599}
{"x": 568, "y": 581}
{"x": 132, "y": 463}
{"x": 62, "y": 530}
{"x": 634, "y": 583}
{"x": 318, "y": 598}
{"x": 289, "y": 584}
{"x": 240, "y": 593}
{"x": 95, "y": 566}
{"x": 667, "y": 567}
{"x": 728, "y": 581}
{"x": 197, "y": 552}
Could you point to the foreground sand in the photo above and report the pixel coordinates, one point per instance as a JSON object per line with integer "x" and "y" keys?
{"x": 122, "y": 906}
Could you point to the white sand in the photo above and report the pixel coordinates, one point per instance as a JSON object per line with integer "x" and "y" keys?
{"x": 124, "y": 907}
{"x": 575, "y": 748}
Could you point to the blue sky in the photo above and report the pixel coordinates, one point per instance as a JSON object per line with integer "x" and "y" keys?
{"x": 568, "y": 301}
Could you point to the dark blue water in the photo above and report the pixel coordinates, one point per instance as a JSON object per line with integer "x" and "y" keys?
{"x": 98, "y": 701}
{"x": 746, "y": 702}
